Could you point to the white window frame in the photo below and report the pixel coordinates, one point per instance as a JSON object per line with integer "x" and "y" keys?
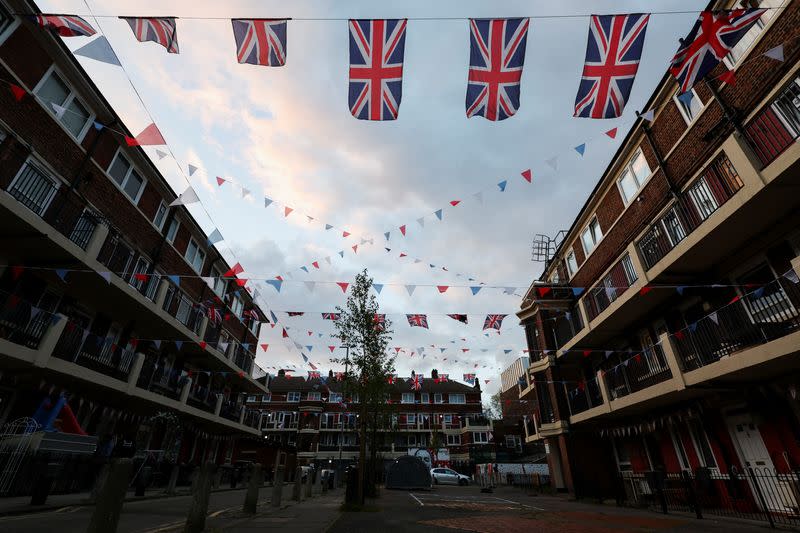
{"x": 680, "y": 450}
{"x": 704, "y": 435}
{"x": 571, "y": 270}
{"x": 237, "y": 306}
{"x": 629, "y": 465}
{"x": 335, "y": 397}
{"x": 411, "y": 418}
{"x": 216, "y": 273}
{"x": 198, "y": 251}
{"x": 457, "y": 396}
{"x": 480, "y": 437}
{"x": 314, "y": 396}
{"x": 160, "y": 225}
{"x": 72, "y": 96}
{"x": 438, "y": 397}
{"x": 131, "y": 168}
{"x": 424, "y": 397}
{"x": 407, "y": 397}
{"x": 293, "y": 396}
{"x": 177, "y": 224}
{"x": 759, "y": 27}
{"x": 266, "y": 398}
{"x": 639, "y": 184}
{"x": 689, "y": 120}
{"x": 594, "y": 230}
{"x": 8, "y": 30}
{"x": 454, "y": 440}
{"x": 447, "y": 418}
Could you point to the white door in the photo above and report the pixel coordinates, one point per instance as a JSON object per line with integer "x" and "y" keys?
{"x": 753, "y": 453}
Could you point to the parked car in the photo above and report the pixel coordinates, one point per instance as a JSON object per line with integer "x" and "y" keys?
{"x": 446, "y": 476}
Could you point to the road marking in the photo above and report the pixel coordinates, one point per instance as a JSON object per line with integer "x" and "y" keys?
{"x": 418, "y": 500}
{"x": 518, "y": 503}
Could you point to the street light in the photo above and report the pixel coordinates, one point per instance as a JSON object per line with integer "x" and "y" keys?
{"x": 344, "y": 395}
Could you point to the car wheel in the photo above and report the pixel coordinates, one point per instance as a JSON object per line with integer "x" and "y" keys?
{"x": 462, "y": 482}
{"x": 435, "y": 481}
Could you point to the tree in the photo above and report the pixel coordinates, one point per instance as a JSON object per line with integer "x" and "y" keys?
{"x": 495, "y": 408}
{"x": 368, "y": 340}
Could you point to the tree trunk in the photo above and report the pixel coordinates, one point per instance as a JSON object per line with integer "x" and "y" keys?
{"x": 362, "y": 452}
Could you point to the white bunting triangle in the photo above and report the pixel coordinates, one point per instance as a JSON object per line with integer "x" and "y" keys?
{"x": 161, "y": 155}
{"x": 410, "y": 289}
{"x": 479, "y": 197}
{"x": 192, "y": 169}
{"x": 648, "y": 115}
{"x": 775, "y": 53}
{"x": 310, "y": 285}
{"x": 58, "y": 110}
{"x": 552, "y": 162}
{"x": 421, "y": 221}
{"x": 186, "y": 197}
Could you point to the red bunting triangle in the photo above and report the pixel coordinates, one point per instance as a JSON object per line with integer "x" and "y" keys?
{"x": 140, "y": 277}
{"x": 587, "y": 353}
{"x": 442, "y": 288}
{"x": 202, "y": 345}
{"x": 150, "y": 136}
{"x": 544, "y": 291}
{"x": 612, "y": 133}
{"x": 355, "y": 248}
{"x": 343, "y": 285}
{"x": 241, "y": 282}
{"x": 316, "y": 264}
{"x": 403, "y": 230}
{"x": 16, "y": 272}
{"x": 455, "y": 202}
{"x": 17, "y": 91}
{"x": 241, "y": 374}
{"x": 264, "y": 347}
{"x": 220, "y": 181}
{"x": 331, "y": 348}
{"x": 279, "y": 278}
{"x": 345, "y": 234}
{"x": 310, "y": 333}
{"x": 645, "y": 290}
{"x": 729, "y": 77}
{"x": 403, "y": 254}
{"x": 527, "y": 175}
{"x": 236, "y": 269}
{"x": 464, "y": 350}
{"x": 286, "y": 211}
{"x": 735, "y": 299}
{"x": 285, "y": 334}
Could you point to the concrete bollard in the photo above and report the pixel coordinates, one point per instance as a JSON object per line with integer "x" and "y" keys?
{"x": 198, "y": 508}
{"x": 251, "y": 498}
{"x": 105, "y": 516}
{"x": 173, "y": 479}
{"x": 297, "y": 492}
{"x": 324, "y": 482}
{"x": 309, "y": 485}
{"x": 277, "y": 486}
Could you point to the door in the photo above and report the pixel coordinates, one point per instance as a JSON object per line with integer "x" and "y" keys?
{"x": 753, "y": 453}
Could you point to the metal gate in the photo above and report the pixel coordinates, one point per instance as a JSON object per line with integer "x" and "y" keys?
{"x": 15, "y": 441}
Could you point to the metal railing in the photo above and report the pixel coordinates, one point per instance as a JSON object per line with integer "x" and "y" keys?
{"x": 93, "y": 351}
{"x": 717, "y": 184}
{"x": 643, "y": 369}
{"x": 21, "y": 322}
{"x": 179, "y": 306}
{"x": 621, "y": 276}
{"x": 777, "y": 126}
{"x": 565, "y": 327}
{"x": 545, "y": 405}
{"x": 762, "y": 315}
{"x": 759, "y": 494}
{"x": 584, "y": 396}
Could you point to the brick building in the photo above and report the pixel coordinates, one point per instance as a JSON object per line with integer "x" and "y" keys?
{"x": 104, "y": 317}
{"x": 665, "y": 327}
{"x": 315, "y": 420}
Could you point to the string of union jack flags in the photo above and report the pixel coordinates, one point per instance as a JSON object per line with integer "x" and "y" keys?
{"x": 496, "y": 60}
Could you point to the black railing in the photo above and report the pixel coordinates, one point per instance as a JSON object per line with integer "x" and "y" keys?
{"x": 179, "y": 306}
{"x": 547, "y": 414}
{"x": 230, "y": 410}
{"x": 637, "y": 372}
{"x": 156, "y": 377}
{"x": 95, "y": 352}
{"x": 618, "y": 280}
{"x": 718, "y": 183}
{"x": 759, "y": 494}
{"x": 777, "y": 126}
{"x": 116, "y": 255}
{"x": 21, "y": 322}
{"x": 584, "y": 396}
{"x": 243, "y": 359}
{"x": 762, "y": 315}
{"x": 566, "y": 326}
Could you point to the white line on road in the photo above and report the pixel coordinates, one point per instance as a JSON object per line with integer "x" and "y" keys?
{"x": 518, "y": 503}
{"x": 418, "y": 500}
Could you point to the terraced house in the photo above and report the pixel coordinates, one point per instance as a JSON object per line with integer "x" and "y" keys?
{"x": 106, "y": 327}
{"x": 664, "y": 334}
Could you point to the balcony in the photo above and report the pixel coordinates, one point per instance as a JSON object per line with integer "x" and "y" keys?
{"x": 584, "y": 396}
{"x": 156, "y": 377}
{"x": 618, "y": 280}
{"x": 243, "y": 358}
{"x": 717, "y": 184}
{"x": 763, "y": 315}
{"x": 644, "y": 369}
{"x": 20, "y": 322}
{"x": 777, "y": 126}
{"x": 92, "y": 351}
{"x": 230, "y": 410}
{"x": 180, "y": 307}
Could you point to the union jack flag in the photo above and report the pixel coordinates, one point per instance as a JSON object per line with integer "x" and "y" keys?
{"x": 442, "y": 378}
{"x": 313, "y": 374}
{"x": 295, "y": 313}
{"x": 496, "y": 58}
{"x": 330, "y": 316}
{"x": 380, "y": 322}
{"x": 493, "y": 321}
{"x": 376, "y": 68}
{"x": 416, "y": 382}
{"x": 420, "y": 321}
{"x": 613, "y": 52}
{"x": 214, "y": 315}
{"x": 65, "y": 25}
{"x": 460, "y": 318}
{"x": 252, "y": 314}
{"x": 713, "y": 35}
{"x": 390, "y": 379}
{"x": 260, "y": 41}
{"x": 160, "y": 30}
{"x": 469, "y": 378}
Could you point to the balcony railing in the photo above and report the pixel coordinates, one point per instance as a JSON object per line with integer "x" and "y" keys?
{"x": 59, "y": 206}
{"x": 776, "y": 127}
{"x": 251, "y": 417}
{"x": 93, "y": 351}
{"x": 243, "y": 359}
{"x": 643, "y": 369}
{"x": 718, "y": 183}
{"x": 584, "y": 396}
{"x": 230, "y": 410}
{"x": 617, "y": 281}
{"x": 763, "y": 315}
{"x": 545, "y": 405}
{"x": 202, "y": 397}
{"x": 179, "y": 306}
{"x": 161, "y": 379}
{"x": 567, "y": 326}
{"x": 21, "y": 322}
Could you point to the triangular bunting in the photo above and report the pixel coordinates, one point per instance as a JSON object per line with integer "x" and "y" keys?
{"x": 502, "y": 185}
{"x": 775, "y": 53}
{"x": 99, "y": 50}
{"x": 343, "y": 285}
{"x": 612, "y": 133}
{"x": 150, "y": 136}
{"x": 581, "y": 148}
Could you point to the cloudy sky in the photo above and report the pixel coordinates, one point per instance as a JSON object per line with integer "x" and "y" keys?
{"x": 286, "y": 133}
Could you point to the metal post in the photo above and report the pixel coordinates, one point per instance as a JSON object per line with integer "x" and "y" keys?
{"x": 761, "y": 499}
{"x": 692, "y": 494}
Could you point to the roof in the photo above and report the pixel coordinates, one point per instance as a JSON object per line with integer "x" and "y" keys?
{"x": 282, "y": 384}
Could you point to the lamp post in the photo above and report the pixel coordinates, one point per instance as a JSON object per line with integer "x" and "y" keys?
{"x": 341, "y": 419}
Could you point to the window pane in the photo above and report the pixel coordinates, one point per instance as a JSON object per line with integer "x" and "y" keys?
{"x": 133, "y": 185}
{"x": 119, "y": 169}
{"x": 53, "y": 91}
{"x": 586, "y": 237}
{"x": 191, "y": 250}
{"x": 158, "y": 220}
{"x": 640, "y": 168}
{"x": 199, "y": 257}
{"x": 172, "y": 231}
{"x": 597, "y": 233}
{"x": 75, "y": 117}
{"x": 572, "y": 264}
{"x": 5, "y": 18}
{"x": 628, "y": 186}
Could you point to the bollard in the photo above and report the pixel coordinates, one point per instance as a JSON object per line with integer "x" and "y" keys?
{"x": 173, "y": 479}
{"x": 251, "y": 498}
{"x": 309, "y": 485}
{"x": 297, "y": 492}
{"x": 198, "y": 508}
{"x": 98, "y": 482}
{"x": 277, "y": 486}
{"x": 325, "y": 482}
{"x": 105, "y": 516}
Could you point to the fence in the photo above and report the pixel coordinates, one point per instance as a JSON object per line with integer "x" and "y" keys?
{"x": 758, "y": 494}
{"x": 643, "y": 370}
{"x": 775, "y": 128}
{"x": 621, "y": 276}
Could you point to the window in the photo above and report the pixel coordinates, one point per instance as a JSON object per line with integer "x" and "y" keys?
{"x": 6, "y": 20}
{"x": 218, "y": 284}
{"x": 237, "y": 306}
{"x": 314, "y": 396}
{"x": 701, "y": 444}
{"x": 407, "y": 397}
{"x": 412, "y": 440}
{"x": 425, "y": 397}
{"x": 633, "y": 176}
{"x": 689, "y": 107}
{"x": 355, "y": 398}
{"x": 172, "y": 231}
{"x": 456, "y": 398}
{"x": 480, "y": 437}
{"x": 680, "y": 451}
{"x": 702, "y": 198}
{"x": 411, "y": 418}
{"x": 266, "y": 397}
{"x": 630, "y": 272}
{"x": 572, "y": 263}
{"x": 454, "y": 440}
{"x": 335, "y": 397}
{"x": 437, "y": 398}
{"x": 161, "y": 215}
{"x": 555, "y": 278}
{"x": 124, "y": 175}
{"x": 71, "y": 113}
{"x": 195, "y": 256}
{"x": 3, "y": 134}
{"x": 623, "y": 456}
{"x": 448, "y": 419}
{"x": 747, "y": 40}
{"x": 293, "y": 397}
{"x": 252, "y": 398}
{"x": 591, "y": 236}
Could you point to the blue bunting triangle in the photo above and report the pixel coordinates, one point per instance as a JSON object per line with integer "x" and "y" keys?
{"x": 378, "y": 287}
{"x": 438, "y": 214}
{"x": 581, "y": 148}
{"x": 475, "y": 290}
{"x": 502, "y": 185}
{"x": 577, "y": 291}
{"x": 387, "y": 235}
{"x": 277, "y": 284}
{"x": 62, "y": 273}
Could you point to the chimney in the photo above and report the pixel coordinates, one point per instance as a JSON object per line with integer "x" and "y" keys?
{"x": 477, "y": 385}
{"x": 330, "y": 374}
{"x": 412, "y": 373}
{"x": 434, "y": 374}
{"x": 281, "y": 373}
